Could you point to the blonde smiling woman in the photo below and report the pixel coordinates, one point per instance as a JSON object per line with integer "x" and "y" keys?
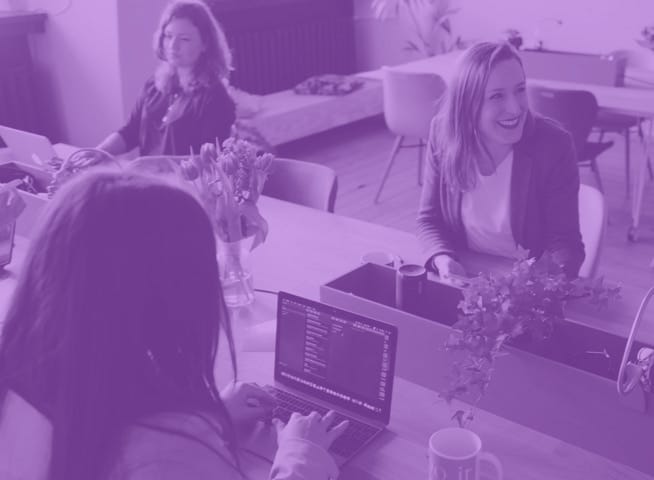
{"x": 499, "y": 176}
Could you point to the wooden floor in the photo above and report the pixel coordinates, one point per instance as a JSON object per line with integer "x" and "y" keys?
{"x": 358, "y": 153}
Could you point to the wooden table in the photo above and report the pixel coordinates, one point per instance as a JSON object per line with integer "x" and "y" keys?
{"x": 306, "y": 248}
{"x": 401, "y": 452}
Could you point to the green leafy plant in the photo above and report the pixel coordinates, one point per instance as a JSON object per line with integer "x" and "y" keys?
{"x": 498, "y": 308}
{"x": 647, "y": 37}
{"x": 428, "y": 21}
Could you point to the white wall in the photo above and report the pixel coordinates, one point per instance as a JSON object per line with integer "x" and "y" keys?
{"x": 589, "y": 26}
{"x": 137, "y": 21}
{"x": 79, "y": 54}
{"x": 93, "y": 60}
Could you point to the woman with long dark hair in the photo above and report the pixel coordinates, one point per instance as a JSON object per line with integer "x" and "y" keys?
{"x": 186, "y": 102}
{"x": 109, "y": 345}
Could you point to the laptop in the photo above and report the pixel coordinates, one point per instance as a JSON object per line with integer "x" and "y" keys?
{"x": 331, "y": 359}
{"x": 31, "y": 148}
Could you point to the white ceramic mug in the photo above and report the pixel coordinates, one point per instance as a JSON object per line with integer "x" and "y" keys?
{"x": 455, "y": 454}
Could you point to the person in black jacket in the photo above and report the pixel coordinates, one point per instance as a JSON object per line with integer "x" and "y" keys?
{"x": 499, "y": 178}
{"x": 185, "y": 103}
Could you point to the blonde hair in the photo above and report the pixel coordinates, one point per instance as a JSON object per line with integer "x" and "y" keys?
{"x": 215, "y": 63}
{"x": 455, "y": 138}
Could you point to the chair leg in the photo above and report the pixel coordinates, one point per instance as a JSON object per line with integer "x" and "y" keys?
{"x": 627, "y": 161}
{"x": 421, "y": 149}
{"x": 641, "y": 135}
{"x": 595, "y": 168}
{"x": 389, "y": 164}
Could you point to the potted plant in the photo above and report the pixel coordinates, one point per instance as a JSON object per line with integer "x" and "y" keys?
{"x": 497, "y": 309}
{"x": 647, "y": 37}
{"x": 428, "y": 22}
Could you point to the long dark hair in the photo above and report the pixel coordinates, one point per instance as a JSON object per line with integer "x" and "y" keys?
{"x": 116, "y": 316}
{"x": 215, "y": 63}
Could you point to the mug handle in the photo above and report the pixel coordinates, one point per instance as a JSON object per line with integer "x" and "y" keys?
{"x": 485, "y": 457}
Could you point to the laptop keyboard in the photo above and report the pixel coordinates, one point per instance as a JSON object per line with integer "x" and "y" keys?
{"x": 355, "y": 436}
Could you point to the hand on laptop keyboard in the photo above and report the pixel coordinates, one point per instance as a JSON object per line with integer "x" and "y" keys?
{"x": 314, "y": 427}
{"x": 355, "y": 435}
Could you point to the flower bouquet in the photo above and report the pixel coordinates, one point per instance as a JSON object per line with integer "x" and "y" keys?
{"x": 229, "y": 181}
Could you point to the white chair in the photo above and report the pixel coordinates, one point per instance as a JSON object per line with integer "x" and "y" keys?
{"x": 592, "y": 223}
{"x": 305, "y": 183}
{"x": 410, "y": 103}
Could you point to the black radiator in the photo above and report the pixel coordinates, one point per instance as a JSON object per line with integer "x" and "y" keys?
{"x": 278, "y": 43}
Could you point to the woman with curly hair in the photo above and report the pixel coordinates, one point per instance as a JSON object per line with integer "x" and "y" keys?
{"x": 185, "y": 103}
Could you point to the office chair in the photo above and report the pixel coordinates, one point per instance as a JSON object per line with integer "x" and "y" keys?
{"x": 309, "y": 184}
{"x": 576, "y": 111}
{"x": 623, "y": 123}
{"x": 592, "y": 223}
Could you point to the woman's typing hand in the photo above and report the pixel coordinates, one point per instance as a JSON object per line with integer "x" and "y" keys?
{"x": 312, "y": 427}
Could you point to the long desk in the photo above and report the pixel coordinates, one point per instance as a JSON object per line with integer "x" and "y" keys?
{"x": 630, "y": 100}
{"x": 306, "y": 248}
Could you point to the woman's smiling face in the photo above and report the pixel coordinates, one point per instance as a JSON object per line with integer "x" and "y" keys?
{"x": 505, "y": 106}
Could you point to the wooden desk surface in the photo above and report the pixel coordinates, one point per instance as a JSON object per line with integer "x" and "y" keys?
{"x": 306, "y": 248}
{"x": 401, "y": 452}
{"x": 316, "y": 247}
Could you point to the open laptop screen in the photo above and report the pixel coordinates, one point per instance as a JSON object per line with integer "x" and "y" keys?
{"x": 336, "y": 356}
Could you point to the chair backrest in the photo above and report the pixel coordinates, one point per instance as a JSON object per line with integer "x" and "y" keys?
{"x": 592, "y": 222}
{"x": 157, "y": 163}
{"x": 411, "y": 101}
{"x": 575, "y": 110}
{"x": 309, "y": 184}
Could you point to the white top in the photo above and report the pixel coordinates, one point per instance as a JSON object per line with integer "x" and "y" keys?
{"x": 486, "y": 213}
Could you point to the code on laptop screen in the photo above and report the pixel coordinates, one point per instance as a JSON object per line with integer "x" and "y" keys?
{"x": 336, "y": 356}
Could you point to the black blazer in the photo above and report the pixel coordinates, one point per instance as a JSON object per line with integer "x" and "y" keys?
{"x": 202, "y": 115}
{"x": 544, "y": 199}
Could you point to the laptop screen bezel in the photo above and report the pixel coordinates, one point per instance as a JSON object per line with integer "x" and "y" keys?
{"x": 384, "y": 416}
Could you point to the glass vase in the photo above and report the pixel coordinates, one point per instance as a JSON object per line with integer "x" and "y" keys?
{"x": 235, "y": 273}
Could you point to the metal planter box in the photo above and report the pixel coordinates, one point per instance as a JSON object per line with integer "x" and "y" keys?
{"x": 556, "y": 386}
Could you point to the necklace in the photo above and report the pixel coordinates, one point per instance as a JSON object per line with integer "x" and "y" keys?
{"x": 172, "y": 105}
